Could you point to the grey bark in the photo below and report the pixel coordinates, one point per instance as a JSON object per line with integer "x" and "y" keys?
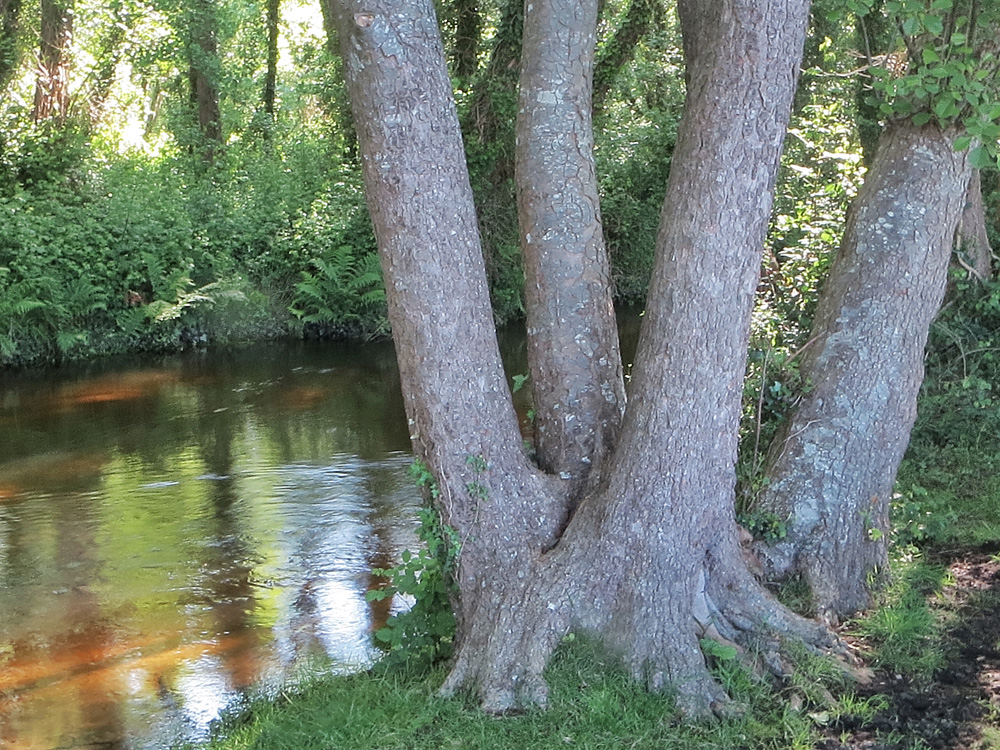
{"x": 831, "y": 470}
{"x": 650, "y": 561}
{"x": 463, "y": 425}
{"x": 573, "y": 353}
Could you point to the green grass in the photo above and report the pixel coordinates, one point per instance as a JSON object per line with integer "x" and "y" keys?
{"x": 594, "y": 705}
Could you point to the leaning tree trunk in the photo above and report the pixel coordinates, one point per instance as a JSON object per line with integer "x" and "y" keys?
{"x": 831, "y": 470}
{"x": 573, "y": 355}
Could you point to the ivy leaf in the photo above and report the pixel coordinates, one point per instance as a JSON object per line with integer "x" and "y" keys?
{"x": 922, "y": 118}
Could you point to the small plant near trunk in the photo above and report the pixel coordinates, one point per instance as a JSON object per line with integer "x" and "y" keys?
{"x": 424, "y": 633}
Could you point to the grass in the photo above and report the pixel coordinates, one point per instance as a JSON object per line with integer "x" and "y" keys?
{"x": 594, "y": 705}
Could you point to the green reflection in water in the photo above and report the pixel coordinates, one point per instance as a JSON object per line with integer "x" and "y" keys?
{"x": 173, "y": 532}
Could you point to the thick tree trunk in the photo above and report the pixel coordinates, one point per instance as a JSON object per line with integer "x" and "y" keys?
{"x": 649, "y": 561}
{"x": 973, "y": 241}
{"x": 10, "y": 13}
{"x": 573, "y": 354}
{"x": 832, "y": 468}
{"x": 463, "y": 424}
{"x": 271, "y": 76}
{"x": 52, "y": 83}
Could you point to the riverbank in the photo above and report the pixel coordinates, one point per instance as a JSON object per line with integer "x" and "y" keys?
{"x": 932, "y": 646}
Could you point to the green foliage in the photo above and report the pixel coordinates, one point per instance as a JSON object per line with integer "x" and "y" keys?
{"x": 945, "y": 71}
{"x": 903, "y": 632}
{"x": 593, "y": 703}
{"x": 769, "y": 527}
{"x": 949, "y": 482}
{"x": 342, "y": 293}
{"x": 424, "y": 633}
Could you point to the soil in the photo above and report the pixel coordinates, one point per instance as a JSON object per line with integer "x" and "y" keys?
{"x": 960, "y": 708}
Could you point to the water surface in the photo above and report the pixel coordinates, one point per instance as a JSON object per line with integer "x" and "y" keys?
{"x": 177, "y": 530}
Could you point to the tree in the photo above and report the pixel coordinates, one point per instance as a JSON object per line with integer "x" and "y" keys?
{"x": 52, "y": 81}
{"x": 271, "y": 76}
{"x": 973, "y": 240}
{"x": 649, "y": 560}
{"x": 10, "y": 11}
{"x": 204, "y": 68}
{"x": 573, "y": 355}
{"x": 832, "y": 469}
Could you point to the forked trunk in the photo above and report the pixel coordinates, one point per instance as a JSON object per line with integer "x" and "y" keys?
{"x": 832, "y": 469}
{"x": 649, "y": 561}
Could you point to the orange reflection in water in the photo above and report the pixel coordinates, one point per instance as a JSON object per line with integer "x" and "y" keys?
{"x": 95, "y": 680}
{"x": 123, "y": 386}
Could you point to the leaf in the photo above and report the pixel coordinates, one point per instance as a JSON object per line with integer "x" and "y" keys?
{"x": 981, "y": 158}
{"x": 961, "y": 143}
{"x": 922, "y": 118}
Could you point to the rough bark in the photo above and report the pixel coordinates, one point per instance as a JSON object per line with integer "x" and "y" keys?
{"x": 10, "y": 13}
{"x": 649, "y": 562}
{"x": 271, "y": 75}
{"x": 975, "y": 252}
{"x": 52, "y": 82}
{"x": 573, "y": 354}
{"x": 831, "y": 470}
{"x": 463, "y": 425}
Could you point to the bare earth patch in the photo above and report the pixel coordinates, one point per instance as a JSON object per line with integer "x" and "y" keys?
{"x": 960, "y": 708}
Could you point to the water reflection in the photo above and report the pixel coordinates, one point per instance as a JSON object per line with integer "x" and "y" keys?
{"x": 176, "y": 532}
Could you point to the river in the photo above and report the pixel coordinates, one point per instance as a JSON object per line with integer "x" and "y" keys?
{"x": 175, "y": 531}
{"x": 179, "y": 531}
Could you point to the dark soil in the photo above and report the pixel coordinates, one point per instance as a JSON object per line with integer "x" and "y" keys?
{"x": 960, "y": 708}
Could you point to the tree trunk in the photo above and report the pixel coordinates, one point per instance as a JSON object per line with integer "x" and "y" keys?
{"x": 203, "y": 70}
{"x": 10, "y": 13}
{"x": 52, "y": 83}
{"x": 467, "y": 30}
{"x": 831, "y": 471}
{"x": 620, "y": 48}
{"x": 573, "y": 354}
{"x": 271, "y": 76}
{"x": 649, "y": 562}
{"x": 973, "y": 240}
